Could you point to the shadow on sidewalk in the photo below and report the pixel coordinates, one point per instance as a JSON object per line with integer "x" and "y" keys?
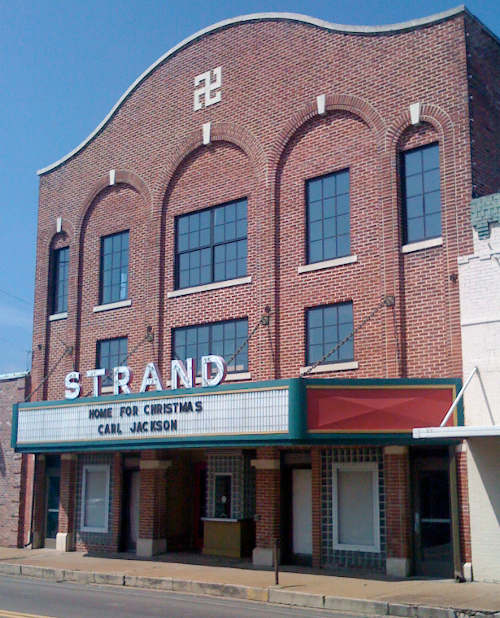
{"x": 199, "y": 559}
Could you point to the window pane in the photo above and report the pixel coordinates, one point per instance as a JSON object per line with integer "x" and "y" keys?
{"x": 329, "y": 249}
{"x": 315, "y": 251}
{"x": 413, "y": 185}
{"x": 111, "y": 353}
{"x": 342, "y": 182}
{"x": 431, "y": 181}
{"x": 413, "y": 162}
{"x": 114, "y": 268}
{"x": 329, "y": 186}
{"x": 415, "y": 207}
{"x": 328, "y": 216}
{"x": 60, "y": 261}
{"x": 343, "y": 245}
{"x": 315, "y": 353}
{"x": 431, "y": 157}
{"x": 326, "y": 327}
{"x": 345, "y": 313}
{"x": 421, "y": 195}
{"x": 315, "y": 211}
{"x": 355, "y": 504}
{"x": 433, "y": 202}
{"x": 433, "y": 226}
{"x": 316, "y": 230}
{"x": 343, "y": 204}
{"x": 415, "y": 229}
{"x": 95, "y": 498}
{"x": 222, "y": 338}
{"x": 214, "y": 230}
{"x": 315, "y": 318}
{"x": 222, "y": 498}
{"x": 314, "y": 190}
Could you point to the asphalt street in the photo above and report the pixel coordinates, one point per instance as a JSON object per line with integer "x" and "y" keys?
{"x": 22, "y": 597}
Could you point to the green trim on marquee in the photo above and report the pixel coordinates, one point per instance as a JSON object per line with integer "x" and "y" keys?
{"x": 297, "y": 418}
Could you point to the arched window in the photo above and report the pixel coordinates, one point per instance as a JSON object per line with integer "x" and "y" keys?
{"x": 421, "y": 193}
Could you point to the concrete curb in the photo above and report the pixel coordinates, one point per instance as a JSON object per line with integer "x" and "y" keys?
{"x": 357, "y": 606}
{"x": 299, "y": 599}
{"x": 272, "y": 594}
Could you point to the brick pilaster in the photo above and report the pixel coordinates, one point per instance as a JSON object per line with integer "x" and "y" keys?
{"x": 268, "y": 505}
{"x": 153, "y": 505}
{"x": 116, "y": 509}
{"x": 463, "y": 504}
{"x": 397, "y": 510}
{"x": 65, "y": 540}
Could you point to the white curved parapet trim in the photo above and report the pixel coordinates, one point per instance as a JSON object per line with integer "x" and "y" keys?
{"x": 407, "y": 25}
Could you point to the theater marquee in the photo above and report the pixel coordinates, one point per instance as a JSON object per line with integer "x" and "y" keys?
{"x": 164, "y": 416}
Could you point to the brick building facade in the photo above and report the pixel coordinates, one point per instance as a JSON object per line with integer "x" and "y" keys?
{"x": 16, "y": 470}
{"x": 268, "y": 187}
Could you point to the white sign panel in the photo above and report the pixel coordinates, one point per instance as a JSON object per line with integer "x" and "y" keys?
{"x": 211, "y": 414}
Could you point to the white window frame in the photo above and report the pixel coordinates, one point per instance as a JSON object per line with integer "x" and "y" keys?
{"x": 95, "y": 468}
{"x": 357, "y": 467}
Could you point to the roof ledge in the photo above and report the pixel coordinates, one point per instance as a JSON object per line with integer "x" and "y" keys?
{"x": 296, "y": 17}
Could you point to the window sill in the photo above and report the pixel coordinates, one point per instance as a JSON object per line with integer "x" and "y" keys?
{"x": 106, "y": 390}
{"x": 109, "y": 306}
{"x": 331, "y": 367}
{"x": 99, "y": 530}
{"x": 373, "y": 549}
{"x": 227, "y": 519}
{"x": 230, "y": 377}
{"x": 58, "y": 316}
{"x": 422, "y": 244}
{"x": 235, "y": 377}
{"x": 347, "y": 259}
{"x": 209, "y": 286}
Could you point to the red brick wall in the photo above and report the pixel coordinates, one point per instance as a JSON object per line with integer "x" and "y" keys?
{"x": 15, "y": 482}
{"x": 67, "y": 494}
{"x": 266, "y": 141}
{"x": 463, "y": 506}
{"x": 484, "y": 104}
{"x": 267, "y": 503}
{"x": 397, "y": 505}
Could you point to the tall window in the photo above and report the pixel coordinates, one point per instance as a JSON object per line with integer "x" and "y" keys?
{"x": 95, "y": 498}
{"x": 421, "y": 193}
{"x": 221, "y": 338}
{"x": 114, "y": 268}
{"x": 211, "y": 245}
{"x": 326, "y": 326}
{"x": 328, "y": 233}
{"x": 111, "y": 353}
{"x": 356, "y": 507}
{"x": 60, "y": 264}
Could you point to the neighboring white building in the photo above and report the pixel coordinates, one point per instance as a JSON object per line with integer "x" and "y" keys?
{"x": 479, "y": 277}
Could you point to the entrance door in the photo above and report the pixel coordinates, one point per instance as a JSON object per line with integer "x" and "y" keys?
{"x": 132, "y": 484}
{"x": 52, "y": 516}
{"x": 432, "y": 518}
{"x": 302, "y": 512}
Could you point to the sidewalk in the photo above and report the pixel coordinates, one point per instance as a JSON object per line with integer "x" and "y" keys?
{"x": 423, "y": 598}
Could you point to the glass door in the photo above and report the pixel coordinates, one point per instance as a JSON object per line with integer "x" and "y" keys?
{"x": 432, "y": 518}
{"x": 52, "y": 516}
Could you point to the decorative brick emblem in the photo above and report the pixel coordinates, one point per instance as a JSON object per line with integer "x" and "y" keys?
{"x": 207, "y": 89}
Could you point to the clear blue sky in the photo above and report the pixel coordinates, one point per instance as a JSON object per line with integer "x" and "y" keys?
{"x": 64, "y": 64}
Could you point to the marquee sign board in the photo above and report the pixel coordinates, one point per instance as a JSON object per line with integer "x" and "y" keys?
{"x": 158, "y": 416}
